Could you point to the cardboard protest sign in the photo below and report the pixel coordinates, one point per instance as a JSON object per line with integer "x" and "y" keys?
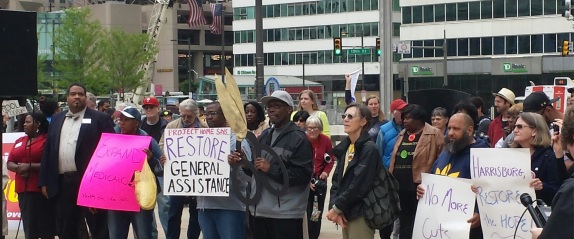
{"x": 445, "y": 207}
{"x": 107, "y": 182}
{"x": 196, "y": 162}
{"x": 501, "y": 176}
{"x": 13, "y": 108}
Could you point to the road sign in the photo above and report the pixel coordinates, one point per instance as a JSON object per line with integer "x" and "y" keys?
{"x": 404, "y": 47}
{"x": 360, "y": 51}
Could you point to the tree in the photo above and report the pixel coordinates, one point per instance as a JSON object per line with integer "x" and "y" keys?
{"x": 122, "y": 56}
{"x": 78, "y": 43}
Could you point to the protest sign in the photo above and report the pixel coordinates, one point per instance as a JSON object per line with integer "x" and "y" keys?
{"x": 452, "y": 199}
{"x": 12, "y": 207}
{"x": 13, "y": 108}
{"x": 501, "y": 176}
{"x": 107, "y": 182}
{"x": 196, "y": 162}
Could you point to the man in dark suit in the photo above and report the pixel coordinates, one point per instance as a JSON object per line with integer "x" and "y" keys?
{"x": 72, "y": 139}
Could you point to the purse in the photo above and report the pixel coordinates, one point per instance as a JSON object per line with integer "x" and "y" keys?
{"x": 146, "y": 187}
{"x": 381, "y": 205}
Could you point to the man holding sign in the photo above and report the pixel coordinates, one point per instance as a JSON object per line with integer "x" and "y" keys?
{"x": 454, "y": 161}
{"x": 223, "y": 217}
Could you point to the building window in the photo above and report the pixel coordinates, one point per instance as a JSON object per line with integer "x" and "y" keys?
{"x": 396, "y": 5}
{"x": 438, "y": 52}
{"x": 474, "y": 46}
{"x": 511, "y": 8}
{"x": 463, "y": 47}
{"x": 550, "y": 7}
{"x": 429, "y": 13}
{"x": 486, "y": 9}
{"x": 396, "y": 29}
{"x": 498, "y": 8}
{"x": 474, "y": 10}
{"x": 439, "y": 13}
{"x": 486, "y": 46}
{"x": 524, "y": 44}
{"x": 536, "y": 7}
{"x": 451, "y": 12}
{"x": 462, "y": 11}
{"x": 428, "y": 52}
{"x": 511, "y": 45}
{"x": 407, "y": 15}
{"x": 498, "y": 46}
{"x": 451, "y": 47}
{"x": 536, "y": 43}
{"x": 417, "y": 14}
{"x": 417, "y": 52}
{"x": 524, "y": 8}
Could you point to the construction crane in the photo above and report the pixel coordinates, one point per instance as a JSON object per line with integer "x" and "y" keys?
{"x": 156, "y": 22}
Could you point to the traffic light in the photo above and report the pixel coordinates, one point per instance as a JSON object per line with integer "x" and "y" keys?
{"x": 378, "y": 46}
{"x": 565, "y": 47}
{"x": 337, "y": 46}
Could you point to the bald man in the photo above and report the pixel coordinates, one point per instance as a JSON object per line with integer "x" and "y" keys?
{"x": 454, "y": 161}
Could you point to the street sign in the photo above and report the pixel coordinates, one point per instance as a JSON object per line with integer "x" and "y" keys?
{"x": 404, "y": 47}
{"x": 360, "y": 51}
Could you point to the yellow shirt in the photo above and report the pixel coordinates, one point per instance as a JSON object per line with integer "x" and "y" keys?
{"x": 349, "y": 157}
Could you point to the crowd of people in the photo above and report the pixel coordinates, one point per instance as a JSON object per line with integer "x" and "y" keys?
{"x": 51, "y": 158}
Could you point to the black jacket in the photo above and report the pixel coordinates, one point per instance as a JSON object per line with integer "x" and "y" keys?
{"x": 348, "y": 190}
{"x": 88, "y": 139}
{"x": 559, "y": 224}
{"x": 546, "y": 166}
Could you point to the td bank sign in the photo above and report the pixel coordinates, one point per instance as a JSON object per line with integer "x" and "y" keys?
{"x": 421, "y": 71}
{"x": 514, "y": 68}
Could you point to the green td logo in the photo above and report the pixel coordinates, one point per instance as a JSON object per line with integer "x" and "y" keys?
{"x": 421, "y": 70}
{"x": 514, "y": 68}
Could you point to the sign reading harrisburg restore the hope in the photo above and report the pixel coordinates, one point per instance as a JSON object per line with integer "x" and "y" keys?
{"x": 196, "y": 163}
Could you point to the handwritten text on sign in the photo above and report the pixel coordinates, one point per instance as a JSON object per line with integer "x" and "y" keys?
{"x": 444, "y": 209}
{"x": 12, "y": 108}
{"x": 197, "y": 161}
{"x": 501, "y": 176}
{"x": 107, "y": 181}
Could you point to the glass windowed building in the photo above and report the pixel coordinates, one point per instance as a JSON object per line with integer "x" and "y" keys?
{"x": 490, "y": 44}
{"x": 298, "y": 40}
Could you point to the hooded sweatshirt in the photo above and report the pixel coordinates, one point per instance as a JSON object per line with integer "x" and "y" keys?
{"x": 456, "y": 165}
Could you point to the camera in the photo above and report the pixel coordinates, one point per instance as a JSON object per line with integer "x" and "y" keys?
{"x": 320, "y": 185}
{"x": 556, "y": 128}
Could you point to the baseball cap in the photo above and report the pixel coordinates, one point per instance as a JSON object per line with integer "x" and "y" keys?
{"x": 279, "y": 95}
{"x": 150, "y": 101}
{"x": 536, "y": 101}
{"x": 506, "y": 94}
{"x": 166, "y": 113}
{"x": 398, "y": 104}
{"x": 131, "y": 113}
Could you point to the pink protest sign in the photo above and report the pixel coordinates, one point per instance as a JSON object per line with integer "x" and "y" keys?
{"x": 107, "y": 182}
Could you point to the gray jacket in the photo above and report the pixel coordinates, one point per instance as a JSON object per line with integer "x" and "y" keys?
{"x": 232, "y": 201}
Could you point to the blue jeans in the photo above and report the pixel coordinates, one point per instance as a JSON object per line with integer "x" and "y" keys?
{"x": 119, "y": 224}
{"x": 174, "y": 221}
{"x": 162, "y": 210}
{"x": 222, "y": 224}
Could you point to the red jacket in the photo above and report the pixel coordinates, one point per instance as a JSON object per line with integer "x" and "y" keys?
{"x": 23, "y": 154}
{"x": 321, "y": 146}
{"x": 495, "y": 131}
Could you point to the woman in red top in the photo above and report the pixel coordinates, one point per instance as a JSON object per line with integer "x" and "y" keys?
{"x": 322, "y": 167}
{"x": 37, "y": 212}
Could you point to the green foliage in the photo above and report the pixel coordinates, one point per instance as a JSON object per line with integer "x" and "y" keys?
{"x": 122, "y": 56}
{"x": 78, "y": 43}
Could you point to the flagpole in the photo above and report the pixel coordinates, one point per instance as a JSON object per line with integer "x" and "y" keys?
{"x": 222, "y": 42}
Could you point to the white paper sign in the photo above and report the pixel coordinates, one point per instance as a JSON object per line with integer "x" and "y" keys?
{"x": 13, "y": 108}
{"x": 501, "y": 176}
{"x": 196, "y": 163}
{"x": 444, "y": 209}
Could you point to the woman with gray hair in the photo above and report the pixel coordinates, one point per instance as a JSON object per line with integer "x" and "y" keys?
{"x": 531, "y": 132}
{"x": 189, "y": 118}
{"x": 322, "y": 167}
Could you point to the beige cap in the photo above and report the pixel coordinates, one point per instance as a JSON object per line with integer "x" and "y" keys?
{"x": 506, "y": 94}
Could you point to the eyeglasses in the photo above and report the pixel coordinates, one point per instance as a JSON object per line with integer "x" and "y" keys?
{"x": 311, "y": 129}
{"x": 148, "y": 107}
{"x": 187, "y": 116}
{"x": 520, "y": 126}
{"x": 348, "y": 116}
{"x": 211, "y": 113}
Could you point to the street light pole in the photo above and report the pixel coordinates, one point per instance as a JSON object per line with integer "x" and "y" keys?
{"x": 189, "y": 65}
{"x": 259, "y": 68}
{"x": 303, "y": 58}
{"x": 362, "y": 63}
{"x": 222, "y": 42}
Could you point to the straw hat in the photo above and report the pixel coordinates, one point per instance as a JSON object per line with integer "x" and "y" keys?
{"x": 506, "y": 94}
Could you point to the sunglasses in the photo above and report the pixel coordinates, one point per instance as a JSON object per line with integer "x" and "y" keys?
{"x": 348, "y": 116}
{"x": 520, "y": 126}
{"x": 301, "y": 121}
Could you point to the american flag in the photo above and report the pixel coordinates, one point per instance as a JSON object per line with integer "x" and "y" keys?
{"x": 217, "y": 11}
{"x": 196, "y": 17}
